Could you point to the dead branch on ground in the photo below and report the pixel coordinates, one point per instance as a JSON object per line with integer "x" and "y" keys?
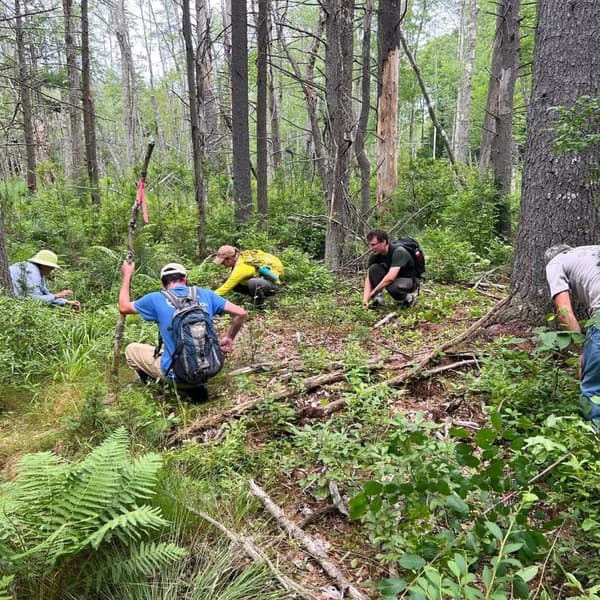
{"x": 311, "y": 546}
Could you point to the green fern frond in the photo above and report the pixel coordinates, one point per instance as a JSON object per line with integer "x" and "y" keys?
{"x": 4, "y": 585}
{"x": 129, "y": 525}
{"x": 141, "y": 476}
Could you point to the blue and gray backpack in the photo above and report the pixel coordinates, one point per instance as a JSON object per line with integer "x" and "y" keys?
{"x": 198, "y": 355}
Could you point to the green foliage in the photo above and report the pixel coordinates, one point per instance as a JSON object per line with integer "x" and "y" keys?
{"x": 56, "y": 516}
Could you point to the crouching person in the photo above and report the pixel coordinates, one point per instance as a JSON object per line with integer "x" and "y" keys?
{"x": 184, "y": 315}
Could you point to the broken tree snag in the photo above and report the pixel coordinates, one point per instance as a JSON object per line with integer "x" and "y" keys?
{"x": 311, "y": 546}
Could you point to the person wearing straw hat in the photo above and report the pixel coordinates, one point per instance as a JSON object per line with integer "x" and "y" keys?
{"x": 29, "y": 280}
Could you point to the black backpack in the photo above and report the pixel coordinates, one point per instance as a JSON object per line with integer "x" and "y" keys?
{"x": 198, "y": 355}
{"x": 415, "y": 251}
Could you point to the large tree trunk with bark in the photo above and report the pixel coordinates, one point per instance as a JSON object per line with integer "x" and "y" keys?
{"x": 25, "y": 99}
{"x": 89, "y": 116}
{"x": 466, "y": 60}
{"x": 75, "y": 133}
{"x": 197, "y": 145}
{"x": 559, "y": 201}
{"x": 338, "y": 69}
{"x": 261, "y": 109}
{"x": 388, "y": 38}
{"x": 497, "y": 138}
{"x": 363, "y": 121}
{"x": 239, "y": 112}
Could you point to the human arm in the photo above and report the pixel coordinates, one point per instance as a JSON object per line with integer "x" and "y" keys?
{"x": 238, "y": 316}
{"x": 126, "y": 306}
{"x": 564, "y": 312}
{"x": 240, "y": 273}
{"x": 388, "y": 278}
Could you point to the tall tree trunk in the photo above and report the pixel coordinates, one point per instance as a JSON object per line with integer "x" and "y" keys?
{"x": 388, "y": 30}
{"x": 363, "y": 120}
{"x": 25, "y": 99}
{"x": 128, "y": 84}
{"x": 338, "y": 70}
{"x": 158, "y": 128}
{"x": 197, "y": 145}
{"x": 497, "y": 137}
{"x": 89, "y": 116}
{"x": 261, "y": 109}
{"x": 73, "y": 96}
{"x": 239, "y": 111}
{"x": 274, "y": 97}
{"x": 307, "y": 82}
{"x": 466, "y": 59}
{"x": 559, "y": 201}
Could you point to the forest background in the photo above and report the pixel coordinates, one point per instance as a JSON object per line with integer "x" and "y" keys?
{"x": 428, "y": 456}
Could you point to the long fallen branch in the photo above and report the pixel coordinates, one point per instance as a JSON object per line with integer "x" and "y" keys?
{"x": 311, "y": 546}
{"x": 254, "y": 552}
{"x": 307, "y": 385}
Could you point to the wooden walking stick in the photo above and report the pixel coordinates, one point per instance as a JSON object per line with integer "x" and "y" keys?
{"x": 140, "y": 202}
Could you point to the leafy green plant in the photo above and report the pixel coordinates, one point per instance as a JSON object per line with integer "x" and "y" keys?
{"x": 57, "y": 518}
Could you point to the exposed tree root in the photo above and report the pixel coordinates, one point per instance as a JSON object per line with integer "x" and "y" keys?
{"x": 311, "y": 546}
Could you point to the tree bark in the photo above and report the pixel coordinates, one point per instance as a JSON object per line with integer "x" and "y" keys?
{"x": 497, "y": 138}
{"x": 559, "y": 200}
{"x": 274, "y": 97}
{"x": 388, "y": 40}
{"x": 89, "y": 116}
{"x": 197, "y": 146}
{"x": 25, "y": 99}
{"x": 338, "y": 69}
{"x": 363, "y": 120}
{"x": 5, "y": 279}
{"x": 261, "y": 109}
{"x": 73, "y": 94}
{"x": 466, "y": 59}
{"x": 239, "y": 112}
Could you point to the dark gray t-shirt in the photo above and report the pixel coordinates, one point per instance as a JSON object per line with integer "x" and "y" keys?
{"x": 578, "y": 272}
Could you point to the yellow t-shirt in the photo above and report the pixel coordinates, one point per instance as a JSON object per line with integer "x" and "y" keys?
{"x": 246, "y": 267}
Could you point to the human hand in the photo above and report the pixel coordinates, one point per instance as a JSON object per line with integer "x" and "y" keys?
{"x": 226, "y": 344}
{"x": 127, "y": 268}
{"x": 63, "y": 293}
{"x": 74, "y": 304}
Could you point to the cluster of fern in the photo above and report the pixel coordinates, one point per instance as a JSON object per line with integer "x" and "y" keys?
{"x": 78, "y": 528}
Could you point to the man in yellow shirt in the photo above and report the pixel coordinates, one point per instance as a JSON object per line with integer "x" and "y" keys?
{"x": 253, "y": 272}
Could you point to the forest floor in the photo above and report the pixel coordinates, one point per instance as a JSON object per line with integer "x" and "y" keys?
{"x": 300, "y": 354}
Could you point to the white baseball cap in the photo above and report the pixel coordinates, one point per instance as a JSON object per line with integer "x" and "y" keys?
{"x": 172, "y": 269}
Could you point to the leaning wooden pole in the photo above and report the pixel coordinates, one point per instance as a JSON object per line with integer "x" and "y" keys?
{"x": 139, "y": 202}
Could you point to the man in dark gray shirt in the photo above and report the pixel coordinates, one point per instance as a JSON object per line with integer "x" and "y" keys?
{"x": 577, "y": 271}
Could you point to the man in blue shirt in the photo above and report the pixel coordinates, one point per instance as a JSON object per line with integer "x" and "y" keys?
{"x": 29, "y": 280}
{"x": 155, "y": 307}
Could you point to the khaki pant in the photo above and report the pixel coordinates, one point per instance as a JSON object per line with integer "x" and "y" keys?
{"x": 141, "y": 358}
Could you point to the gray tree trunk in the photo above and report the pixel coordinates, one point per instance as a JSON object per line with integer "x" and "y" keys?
{"x": 497, "y": 138}
{"x": 261, "y": 109}
{"x": 239, "y": 112}
{"x": 388, "y": 42}
{"x": 274, "y": 98}
{"x": 73, "y": 95}
{"x": 5, "y": 279}
{"x": 338, "y": 70}
{"x": 559, "y": 201}
{"x": 25, "y": 98}
{"x": 466, "y": 59}
{"x": 128, "y": 85}
{"x": 89, "y": 115}
{"x": 363, "y": 120}
{"x": 197, "y": 145}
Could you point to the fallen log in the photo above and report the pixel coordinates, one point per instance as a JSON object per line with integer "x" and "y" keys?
{"x": 311, "y": 546}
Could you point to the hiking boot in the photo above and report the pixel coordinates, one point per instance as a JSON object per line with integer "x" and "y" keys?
{"x": 408, "y": 302}
{"x": 197, "y": 395}
{"x": 376, "y": 302}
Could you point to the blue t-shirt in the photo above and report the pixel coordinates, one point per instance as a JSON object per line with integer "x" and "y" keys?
{"x": 155, "y": 307}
